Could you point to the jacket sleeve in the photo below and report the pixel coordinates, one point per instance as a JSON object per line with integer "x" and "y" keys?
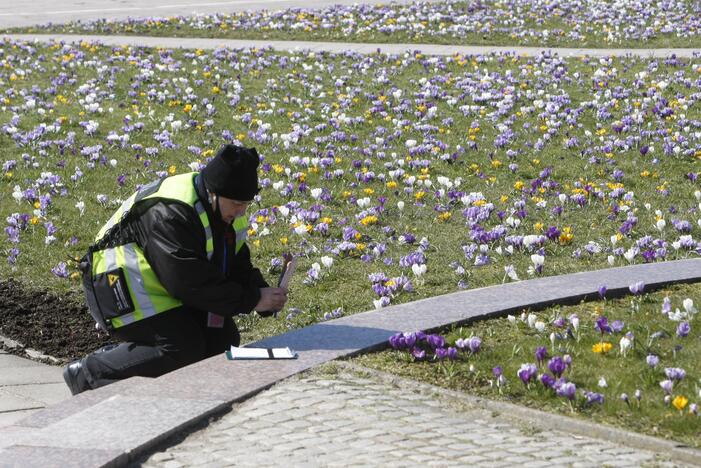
{"x": 173, "y": 242}
{"x": 242, "y": 269}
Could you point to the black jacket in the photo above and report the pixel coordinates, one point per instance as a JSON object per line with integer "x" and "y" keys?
{"x": 173, "y": 240}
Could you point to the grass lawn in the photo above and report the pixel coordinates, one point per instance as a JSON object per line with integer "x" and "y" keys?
{"x": 572, "y": 23}
{"x": 392, "y": 177}
{"x": 621, "y": 387}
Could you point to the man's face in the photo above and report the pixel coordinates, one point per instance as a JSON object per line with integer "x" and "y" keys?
{"x": 231, "y": 209}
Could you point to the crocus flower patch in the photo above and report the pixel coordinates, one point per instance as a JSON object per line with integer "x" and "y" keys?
{"x": 604, "y": 360}
{"x": 392, "y": 177}
{"x": 574, "y": 23}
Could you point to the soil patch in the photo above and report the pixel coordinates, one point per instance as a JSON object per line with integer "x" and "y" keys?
{"x": 55, "y": 325}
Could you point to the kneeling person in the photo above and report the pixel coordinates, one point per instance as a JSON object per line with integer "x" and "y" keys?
{"x": 170, "y": 269}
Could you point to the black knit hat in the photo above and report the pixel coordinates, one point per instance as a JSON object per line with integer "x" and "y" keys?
{"x": 233, "y": 173}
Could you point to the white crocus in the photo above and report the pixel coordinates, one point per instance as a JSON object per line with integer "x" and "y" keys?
{"x": 539, "y": 326}
{"x": 301, "y": 230}
{"x": 17, "y": 193}
{"x": 602, "y": 382}
{"x": 418, "y": 270}
{"x": 81, "y": 207}
{"x": 538, "y": 261}
{"x": 689, "y": 306}
{"x": 625, "y": 344}
{"x": 677, "y": 315}
{"x": 575, "y": 323}
{"x": 511, "y": 272}
{"x": 532, "y": 318}
{"x": 327, "y": 261}
{"x": 661, "y": 224}
{"x": 316, "y": 193}
{"x": 400, "y": 205}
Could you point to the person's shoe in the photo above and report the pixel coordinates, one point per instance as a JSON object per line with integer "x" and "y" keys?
{"x": 73, "y": 375}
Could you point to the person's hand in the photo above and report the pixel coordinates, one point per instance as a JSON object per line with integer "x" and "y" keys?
{"x": 271, "y": 300}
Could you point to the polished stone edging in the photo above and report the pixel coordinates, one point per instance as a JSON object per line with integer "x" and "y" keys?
{"x": 342, "y": 47}
{"x": 115, "y": 424}
{"x": 536, "y": 418}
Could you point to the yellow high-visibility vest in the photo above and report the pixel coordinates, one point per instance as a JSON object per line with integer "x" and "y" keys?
{"x": 124, "y": 270}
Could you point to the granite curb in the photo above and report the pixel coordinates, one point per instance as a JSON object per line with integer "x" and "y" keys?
{"x": 539, "y": 419}
{"x": 92, "y": 425}
{"x": 340, "y": 47}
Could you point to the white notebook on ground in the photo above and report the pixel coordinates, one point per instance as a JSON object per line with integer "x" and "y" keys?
{"x": 260, "y": 353}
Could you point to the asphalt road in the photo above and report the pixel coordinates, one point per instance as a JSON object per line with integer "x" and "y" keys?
{"x": 27, "y": 13}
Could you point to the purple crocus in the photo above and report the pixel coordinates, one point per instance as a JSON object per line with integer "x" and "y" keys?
{"x": 397, "y": 341}
{"x": 557, "y": 366}
{"x": 602, "y": 291}
{"x": 637, "y": 288}
{"x": 499, "y": 374}
{"x": 683, "y": 329}
{"x": 541, "y": 354}
{"x": 436, "y": 341}
{"x": 593, "y": 397}
{"x": 675, "y": 373}
{"x": 527, "y": 372}
{"x": 60, "y": 270}
{"x": 667, "y": 386}
{"x": 441, "y": 353}
{"x": 418, "y": 353}
{"x": 547, "y": 380}
{"x": 617, "y": 326}
{"x": 474, "y": 344}
{"x": 567, "y": 390}
{"x": 652, "y": 360}
{"x": 602, "y": 325}
{"x": 559, "y": 322}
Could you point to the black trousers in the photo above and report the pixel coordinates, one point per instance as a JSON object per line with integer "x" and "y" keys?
{"x": 158, "y": 345}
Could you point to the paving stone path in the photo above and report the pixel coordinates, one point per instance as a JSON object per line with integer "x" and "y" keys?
{"x": 27, "y": 386}
{"x": 342, "y": 47}
{"x": 346, "y": 420}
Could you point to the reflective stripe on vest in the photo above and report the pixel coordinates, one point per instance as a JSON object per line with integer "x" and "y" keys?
{"x": 202, "y": 213}
{"x": 145, "y": 290}
{"x": 117, "y": 216}
{"x": 241, "y": 227}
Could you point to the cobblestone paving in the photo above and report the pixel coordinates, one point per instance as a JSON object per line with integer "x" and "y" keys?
{"x": 346, "y": 420}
